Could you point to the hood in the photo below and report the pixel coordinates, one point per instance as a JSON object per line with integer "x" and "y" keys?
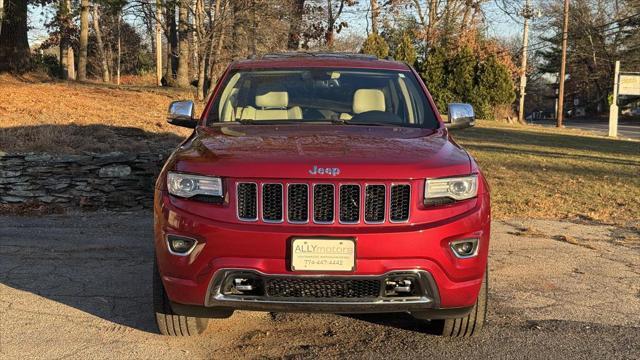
{"x": 316, "y": 151}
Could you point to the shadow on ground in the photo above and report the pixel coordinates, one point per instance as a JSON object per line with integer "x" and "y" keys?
{"x": 93, "y": 264}
{"x": 75, "y": 139}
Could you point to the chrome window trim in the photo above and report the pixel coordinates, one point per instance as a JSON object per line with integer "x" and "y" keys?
{"x": 386, "y": 204}
{"x": 282, "y": 207}
{"x": 408, "y": 211}
{"x": 309, "y": 200}
{"x": 360, "y": 204}
{"x": 313, "y": 201}
{"x": 238, "y": 201}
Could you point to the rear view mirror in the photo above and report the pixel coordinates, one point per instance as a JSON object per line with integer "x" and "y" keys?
{"x": 460, "y": 116}
{"x": 181, "y": 114}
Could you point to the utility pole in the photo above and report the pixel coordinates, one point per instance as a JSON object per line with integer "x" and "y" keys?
{"x": 565, "y": 33}
{"x": 527, "y": 13}
{"x": 613, "y": 110}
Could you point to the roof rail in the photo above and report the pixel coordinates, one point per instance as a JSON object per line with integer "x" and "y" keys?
{"x": 340, "y": 55}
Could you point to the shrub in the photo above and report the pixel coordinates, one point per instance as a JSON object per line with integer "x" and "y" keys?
{"x": 406, "y": 51}
{"x": 375, "y": 45}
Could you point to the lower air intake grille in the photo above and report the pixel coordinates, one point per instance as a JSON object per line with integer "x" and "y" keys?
{"x": 322, "y": 288}
{"x": 247, "y": 201}
{"x": 399, "y": 207}
{"x": 374, "y": 203}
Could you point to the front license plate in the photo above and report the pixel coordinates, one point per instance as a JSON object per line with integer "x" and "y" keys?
{"x": 308, "y": 254}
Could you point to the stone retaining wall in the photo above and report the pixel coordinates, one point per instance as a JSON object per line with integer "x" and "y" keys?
{"x": 112, "y": 180}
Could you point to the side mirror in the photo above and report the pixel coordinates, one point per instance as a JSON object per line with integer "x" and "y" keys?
{"x": 460, "y": 116}
{"x": 181, "y": 114}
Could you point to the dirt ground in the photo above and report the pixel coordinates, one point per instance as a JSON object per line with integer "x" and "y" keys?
{"x": 79, "y": 286}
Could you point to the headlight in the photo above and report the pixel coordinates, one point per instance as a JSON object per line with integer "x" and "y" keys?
{"x": 187, "y": 185}
{"x": 446, "y": 190}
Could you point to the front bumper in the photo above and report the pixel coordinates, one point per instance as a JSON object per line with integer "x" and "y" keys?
{"x": 192, "y": 281}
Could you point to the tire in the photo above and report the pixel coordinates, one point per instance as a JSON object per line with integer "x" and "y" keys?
{"x": 168, "y": 322}
{"x": 472, "y": 323}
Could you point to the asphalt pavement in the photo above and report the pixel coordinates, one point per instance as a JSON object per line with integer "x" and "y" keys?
{"x": 627, "y": 129}
{"x": 79, "y": 286}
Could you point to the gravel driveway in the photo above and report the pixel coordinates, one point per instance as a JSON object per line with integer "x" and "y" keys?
{"x": 79, "y": 286}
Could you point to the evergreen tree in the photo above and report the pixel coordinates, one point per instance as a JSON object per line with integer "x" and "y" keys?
{"x": 375, "y": 45}
{"x": 494, "y": 87}
{"x": 462, "y": 69}
{"x": 406, "y": 51}
{"x": 434, "y": 73}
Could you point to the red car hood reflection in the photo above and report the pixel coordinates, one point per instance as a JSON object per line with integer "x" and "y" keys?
{"x": 293, "y": 151}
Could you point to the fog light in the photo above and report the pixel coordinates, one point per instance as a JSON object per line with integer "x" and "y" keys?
{"x": 464, "y": 248}
{"x": 180, "y": 245}
{"x": 399, "y": 287}
{"x": 242, "y": 285}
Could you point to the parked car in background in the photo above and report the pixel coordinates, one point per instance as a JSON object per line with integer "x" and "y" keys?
{"x": 321, "y": 183}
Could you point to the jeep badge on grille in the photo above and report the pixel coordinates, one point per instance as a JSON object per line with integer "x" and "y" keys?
{"x": 324, "y": 171}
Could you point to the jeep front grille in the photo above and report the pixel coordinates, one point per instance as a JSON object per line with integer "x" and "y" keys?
{"x": 323, "y": 195}
{"x": 399, "y": 207}
{"x": 247, "y": 201}
{"x": 322, "y": 203}
{"x": 298, "y": 203}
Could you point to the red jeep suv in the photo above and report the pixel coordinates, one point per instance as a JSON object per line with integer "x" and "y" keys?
{"x": 321, "y": 183}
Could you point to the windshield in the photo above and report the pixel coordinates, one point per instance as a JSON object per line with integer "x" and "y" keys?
{"x": 341, "y": 96}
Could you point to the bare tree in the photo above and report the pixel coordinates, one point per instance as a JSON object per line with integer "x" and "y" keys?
{"x": 106, "y": 77}
{"x": 182, "y": 79}
{"x": 14, "y": 43}
{"x": 84, "y": 39}
{"x": 334, "y": 10}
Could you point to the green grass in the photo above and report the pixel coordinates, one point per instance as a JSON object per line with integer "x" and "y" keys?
{"x": 550, "y": 173}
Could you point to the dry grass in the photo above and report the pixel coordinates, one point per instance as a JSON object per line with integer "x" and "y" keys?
{"x": 72, "y": 118}
{"x": 542, "y": 172}
{"x": 534, "y": 171}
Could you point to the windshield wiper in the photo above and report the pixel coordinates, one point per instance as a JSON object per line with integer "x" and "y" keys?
{"x": 363, "y": 123}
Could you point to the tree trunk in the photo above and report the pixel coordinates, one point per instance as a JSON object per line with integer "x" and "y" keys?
{"x": 71, "y": 63}
{"x": 1, "y": 13}
{"x": 214, "y": 51}
{"x": 101, "y": 52}
{"x": 182, "y": 79}
{"x": 375, "y": 12}
{"x": 119, "y": 49}
{"x": 201, "y": 45}
{"x": 84, "y": 40}
{"x": 158, "y": 43}
{"x": 63, "y": 14}
{"x": 14, "y": 43}
{"x": 296, "y": 25}
{"x": 172, "y": 41}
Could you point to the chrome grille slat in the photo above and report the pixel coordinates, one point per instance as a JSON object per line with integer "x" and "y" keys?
{"x": 349, "y": 204}
{"x": 399, "y": 203}
{"x": 375, "y": 204}
{"x": 299, "y": 203}
{"x": 272, "y": 202}
{"x": 247, "y": 194}
{"x": 323, "y": 203}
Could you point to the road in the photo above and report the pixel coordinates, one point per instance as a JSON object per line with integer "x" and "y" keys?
{"x": 627, "y": 129}
{"x": 79, "y": 286}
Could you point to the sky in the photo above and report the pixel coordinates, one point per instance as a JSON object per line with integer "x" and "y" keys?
{"x": 498, "y": 23}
